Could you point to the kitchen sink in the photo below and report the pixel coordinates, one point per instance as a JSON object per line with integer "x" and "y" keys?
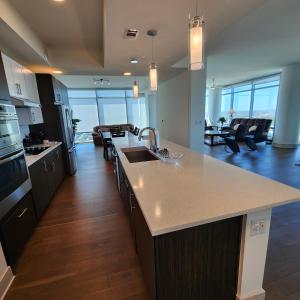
{"x": 138, "y": 154}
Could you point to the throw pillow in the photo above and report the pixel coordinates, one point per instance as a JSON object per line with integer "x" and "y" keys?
{"x": 252, "y": 128}
{"x": 236, "y": 126}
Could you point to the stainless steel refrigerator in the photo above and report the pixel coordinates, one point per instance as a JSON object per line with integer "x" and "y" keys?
{"x": 68, "y": 138}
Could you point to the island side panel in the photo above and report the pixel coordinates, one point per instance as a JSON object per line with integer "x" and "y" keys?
{"x": 199, "y": 262}
{"x": 254, "y": 245}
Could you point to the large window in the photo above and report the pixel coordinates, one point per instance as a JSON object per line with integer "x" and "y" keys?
{"x": 265, "y": 100}
{"x": 241, "y": 104}
{"x": 107, "y": 107}
{"x": 112, "y": 107}
{"x": 226, "y": 102}
{"x": 254, "y": 99}
{"x": 86, "y": 111}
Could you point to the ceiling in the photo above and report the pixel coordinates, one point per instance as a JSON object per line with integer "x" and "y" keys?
{"x": 259, "y": 44}
{"x": 88, "y": 39}
{"x": 87, "y": 81}
{"x": 244, "y": 39}
{"x": 71, "y": 32}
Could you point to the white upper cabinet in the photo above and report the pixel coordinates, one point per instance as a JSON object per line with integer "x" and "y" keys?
{"x": 21, "y": 81}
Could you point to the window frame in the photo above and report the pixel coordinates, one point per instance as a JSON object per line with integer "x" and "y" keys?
{"x": 97, "y": 91}
{"x": 229, "y": 90}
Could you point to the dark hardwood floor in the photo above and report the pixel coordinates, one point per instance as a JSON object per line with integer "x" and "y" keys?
{"x": 282, "y": 274}
{"x": 82, "y": 248}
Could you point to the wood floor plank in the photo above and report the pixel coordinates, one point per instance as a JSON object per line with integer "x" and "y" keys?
{"x": 82, "y": 248}
{"x": 282, "y": 279}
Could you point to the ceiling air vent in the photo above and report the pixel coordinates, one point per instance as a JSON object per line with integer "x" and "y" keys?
{"x": 131, "y": 34}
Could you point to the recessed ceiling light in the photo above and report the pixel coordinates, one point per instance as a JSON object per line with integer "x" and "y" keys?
{"x": 127, "y": 74}
{"x": 59, "y": 0}
{"x": 57, "y": 72}
{"x": 134, "y": 61}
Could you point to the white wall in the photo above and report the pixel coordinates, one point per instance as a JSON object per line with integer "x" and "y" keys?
{"x": 197, "y": 109}
{"x": 173, "y": 109}
{"x": 3, "y": 264}
{"x": 152, "y": 105}
{"x": 287, "y": 121}
{"x": 6, "y": 275}
{"x": 214, "y": 105}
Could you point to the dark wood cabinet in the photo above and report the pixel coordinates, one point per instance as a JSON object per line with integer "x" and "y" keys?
{"x": 127, "y": 197}
{"x": 200, "y": 262}
{"x": 60, "y": 171}
{"x": 40, "y": 187}
{"x": 46, "y": 176}
{"x": 17, "y": 228}
{"x": 58, "y": 92}
{"x": 53, "y": 94}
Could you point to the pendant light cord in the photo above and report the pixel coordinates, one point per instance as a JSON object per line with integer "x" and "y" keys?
{"x": 152, "y": 49}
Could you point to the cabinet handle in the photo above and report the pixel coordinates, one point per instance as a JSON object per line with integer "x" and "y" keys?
{"x": 126, "y": 183}
{"x": 20, "y": 89}
{"x": 22, "y": 213}
{"x": 45, "y": 166}
{"x": 57, "y": 155}
{"x": 53, "y": 166}
{"x": 17, "y": 88}
{"x": 132, "y": 207}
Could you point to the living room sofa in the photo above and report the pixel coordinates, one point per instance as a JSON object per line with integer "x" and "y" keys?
{"x": 265, "y": 123}
{"x": 106, "y": 128}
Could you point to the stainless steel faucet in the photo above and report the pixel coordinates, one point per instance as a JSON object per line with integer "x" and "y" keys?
{"x": 154, "y": 146}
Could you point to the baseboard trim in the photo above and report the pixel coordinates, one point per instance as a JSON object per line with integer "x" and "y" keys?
{"x": 259, "y": 296}
{"x": 287, "y": 146}
{"x": 5, "y": 282}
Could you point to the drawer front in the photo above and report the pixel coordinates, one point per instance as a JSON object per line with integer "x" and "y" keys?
{"x": 17, "y": 229}
{"x": 40, "y": 188}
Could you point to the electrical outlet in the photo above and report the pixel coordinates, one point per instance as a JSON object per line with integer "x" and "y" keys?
{"x": 257, "y": 227}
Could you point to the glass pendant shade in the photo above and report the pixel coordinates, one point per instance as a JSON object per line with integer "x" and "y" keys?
{"x": 196, "y": 44}
{"x": 135, "y": 90}
{"x": 153, "y": 77}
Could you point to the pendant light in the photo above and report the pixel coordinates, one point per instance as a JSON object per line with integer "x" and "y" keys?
{"x": 135, "y": 90}
{"x": 135, "y": 87}
{"x": 196, "y": 42}
{"x": 152, "y": 68}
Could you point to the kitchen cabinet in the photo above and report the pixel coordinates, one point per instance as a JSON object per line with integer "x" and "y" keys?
{"x": 46, "y": 176}
{"x": 188, "y": 263}
{"x": 40, "y": 188}
{"x": 30, "y": 115}
{"x": 17, "y": 228}
{"x": 21, "y": 81}
{"x": 127, "y": 198}
{"x": 58, "y": 92}
{"x": 4, "y": 92}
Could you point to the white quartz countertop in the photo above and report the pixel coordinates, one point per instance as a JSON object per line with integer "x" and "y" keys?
{"x": 31, "y": 159}
{"x": 197, "y": 190}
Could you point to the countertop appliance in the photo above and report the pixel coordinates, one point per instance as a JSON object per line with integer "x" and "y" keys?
{"x": 14, "y": 178}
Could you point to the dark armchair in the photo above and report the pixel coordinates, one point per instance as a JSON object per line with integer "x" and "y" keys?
{"x": 259, "y": 136}
{"x": 210, "y": 127}
{"x": 232, "y": 141}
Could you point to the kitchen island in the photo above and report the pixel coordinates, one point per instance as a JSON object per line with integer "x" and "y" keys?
{"x": 200, "y": 226}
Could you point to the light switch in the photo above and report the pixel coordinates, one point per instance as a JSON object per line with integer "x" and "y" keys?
{"x": 257, "y": 227}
